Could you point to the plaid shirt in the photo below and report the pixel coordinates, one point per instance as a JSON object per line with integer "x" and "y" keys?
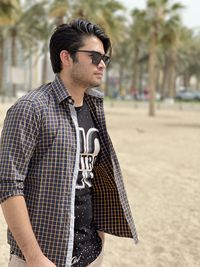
{"x": 39, "y": 159}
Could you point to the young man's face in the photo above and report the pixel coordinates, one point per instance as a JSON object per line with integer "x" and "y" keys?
{"x": 84, "y": 72}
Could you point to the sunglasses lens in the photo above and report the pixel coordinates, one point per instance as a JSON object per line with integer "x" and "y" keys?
{"x": 106, "y": 60}
{"x": 96, "y": 58}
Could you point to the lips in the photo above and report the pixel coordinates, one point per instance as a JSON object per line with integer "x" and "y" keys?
{"x": 99, "y": 73}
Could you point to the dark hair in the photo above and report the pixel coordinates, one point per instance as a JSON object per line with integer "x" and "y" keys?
{"x": 71, "y": 36}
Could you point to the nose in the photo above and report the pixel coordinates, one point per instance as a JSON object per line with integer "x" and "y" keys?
{"x": 102, "y": 64}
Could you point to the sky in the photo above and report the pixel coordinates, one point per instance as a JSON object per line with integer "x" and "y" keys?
{"x": 190, "y": 15}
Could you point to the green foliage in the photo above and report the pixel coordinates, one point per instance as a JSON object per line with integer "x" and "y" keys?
{"x": 32, "y": 24}
{"x": 105, "y": 13}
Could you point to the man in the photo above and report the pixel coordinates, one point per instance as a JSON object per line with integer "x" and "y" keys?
{"x": 60, "y": 182}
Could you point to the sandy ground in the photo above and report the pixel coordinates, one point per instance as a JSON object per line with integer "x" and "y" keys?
{"x": 160, "y": 160}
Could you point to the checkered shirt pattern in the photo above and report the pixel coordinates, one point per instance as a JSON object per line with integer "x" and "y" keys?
{"x": 38, "y": 150}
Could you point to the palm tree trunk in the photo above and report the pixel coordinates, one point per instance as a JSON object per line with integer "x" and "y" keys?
{"x": 30, "y": 69}
{"x": 1, "y": 65}
{"x": 152, "y": 71}
{"x": 186, "y": 79}
{"x": 135, "y": 69}
{"x": 14, "y": 56}
{"x": 198, "y": 83}
{"x": 165, "y": 78}
{"x": 172, "y": 66}
{"x": 44, "y": 66}
{"x": 121, "y": 74}
{"x": 141, "y": 71}
{"x": 158, "y": 80}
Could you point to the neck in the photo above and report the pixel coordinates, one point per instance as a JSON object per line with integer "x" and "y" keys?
{"x": 76, "y": 91}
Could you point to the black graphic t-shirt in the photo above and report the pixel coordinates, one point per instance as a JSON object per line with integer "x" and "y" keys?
{"x": 87, "y": 243}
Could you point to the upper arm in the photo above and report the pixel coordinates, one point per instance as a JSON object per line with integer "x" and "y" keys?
{"x": 17, "y": 144}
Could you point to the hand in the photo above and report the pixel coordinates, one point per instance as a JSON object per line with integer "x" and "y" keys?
{"x": 40, "y": 262}
{"x": 102, "y": 236}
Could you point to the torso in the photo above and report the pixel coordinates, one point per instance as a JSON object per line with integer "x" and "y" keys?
{"x": 87, "y": 244}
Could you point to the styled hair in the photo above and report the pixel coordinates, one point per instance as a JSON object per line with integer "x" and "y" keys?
{"x": 71, "y": 36}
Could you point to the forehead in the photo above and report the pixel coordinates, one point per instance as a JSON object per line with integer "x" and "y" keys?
{"x": 93, "y": 43}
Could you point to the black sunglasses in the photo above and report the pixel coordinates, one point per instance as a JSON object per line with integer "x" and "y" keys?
{"x": 96, "y": 57}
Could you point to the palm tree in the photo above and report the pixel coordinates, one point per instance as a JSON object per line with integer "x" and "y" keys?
{"x": 7, "y": 10}
{"x": 188, "y": 57}
{"x": 41, "y": 29}
{"x": 59, "y": 9}
{"x": 106, "y": 13}
{"x": 154, "y": 17}
{"x": 24, "y": 29}
{"x": 7, "y": 7}
{"x": 44, "y": 32}
{"x": 157, "y": 11}
{"x": 170, "y": 39}
{"x": 121, "y": 62}
{"x": 139, "y": 40}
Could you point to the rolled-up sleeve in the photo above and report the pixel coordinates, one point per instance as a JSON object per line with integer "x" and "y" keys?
{"x": 17, "y": 144}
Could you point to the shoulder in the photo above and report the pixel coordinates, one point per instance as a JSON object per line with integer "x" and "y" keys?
{"x": 35, "y": 100}
{"x": 38, "y": 96}
{"x": 31, "y": 105}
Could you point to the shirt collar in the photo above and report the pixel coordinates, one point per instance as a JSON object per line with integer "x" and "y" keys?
{"x": 60, "y": 90}
{"x": 62, "y": 93}
{"x": 95, "y": 92}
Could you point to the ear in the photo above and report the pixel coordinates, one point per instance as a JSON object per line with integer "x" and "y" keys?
{"x": 65, "y": 58}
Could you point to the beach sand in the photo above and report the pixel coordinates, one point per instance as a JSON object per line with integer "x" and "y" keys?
{"x": 160, "y": 161}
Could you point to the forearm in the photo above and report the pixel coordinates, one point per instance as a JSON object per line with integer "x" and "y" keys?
{"x": 17, "y": 218}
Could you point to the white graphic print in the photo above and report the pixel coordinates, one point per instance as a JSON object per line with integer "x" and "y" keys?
{"x": 75, "y": 260}
{"x": 89, "y": 149}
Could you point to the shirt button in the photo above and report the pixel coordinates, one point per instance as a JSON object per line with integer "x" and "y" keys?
{"x": 70, "y": 101}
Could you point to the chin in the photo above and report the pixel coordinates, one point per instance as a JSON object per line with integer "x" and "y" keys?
{"x": 97, "y": 84}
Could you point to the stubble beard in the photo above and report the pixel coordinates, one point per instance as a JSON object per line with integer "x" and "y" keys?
{"x": 79, "y": 78}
